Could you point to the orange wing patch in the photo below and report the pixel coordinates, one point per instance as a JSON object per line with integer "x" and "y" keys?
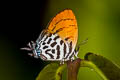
{"x": 65, "y": 25}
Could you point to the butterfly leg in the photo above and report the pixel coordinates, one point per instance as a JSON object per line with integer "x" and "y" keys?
{"x": 73, "y": 58}
{"x": 62, "y": 61}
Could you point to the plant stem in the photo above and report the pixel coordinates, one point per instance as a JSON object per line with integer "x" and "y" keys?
{"x": 73, "y": 68}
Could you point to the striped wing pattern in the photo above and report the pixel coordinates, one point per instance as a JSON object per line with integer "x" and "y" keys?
{"x": 65, "y": 24}
{"x": 58, "y": 41}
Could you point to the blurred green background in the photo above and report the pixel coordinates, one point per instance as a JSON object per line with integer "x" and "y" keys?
{"x": 98, "y": 20}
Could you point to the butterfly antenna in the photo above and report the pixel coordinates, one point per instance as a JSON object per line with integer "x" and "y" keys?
{"x": 29, "y": 48}
{"x": 25, "y": 48}
{"x": 29, "y": 45}
{"x": 30, "y": 54}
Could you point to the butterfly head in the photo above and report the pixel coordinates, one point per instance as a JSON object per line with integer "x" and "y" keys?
{"x": 36, "y": 51}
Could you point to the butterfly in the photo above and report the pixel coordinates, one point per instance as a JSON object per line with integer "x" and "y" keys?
{"x": 58, "y": 41}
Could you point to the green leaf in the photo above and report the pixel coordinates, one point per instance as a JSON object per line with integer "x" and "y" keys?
{"x": 108, "y": 68}
{"x": 52, "y": 71}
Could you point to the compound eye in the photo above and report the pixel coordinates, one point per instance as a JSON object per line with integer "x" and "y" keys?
{"x": 38, "y": 52}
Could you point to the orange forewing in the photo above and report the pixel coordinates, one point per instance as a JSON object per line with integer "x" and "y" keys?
{"x": 66, "y": 21}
